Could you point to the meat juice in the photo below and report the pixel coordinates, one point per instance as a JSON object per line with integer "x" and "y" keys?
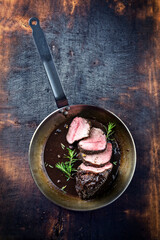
{"x": 55, "y": 152}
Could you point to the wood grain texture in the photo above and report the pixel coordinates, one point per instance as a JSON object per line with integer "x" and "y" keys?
{"x": 107, "y": 53}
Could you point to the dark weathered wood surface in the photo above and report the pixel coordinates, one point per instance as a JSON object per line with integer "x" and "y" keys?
{"x": 107, "y": 53}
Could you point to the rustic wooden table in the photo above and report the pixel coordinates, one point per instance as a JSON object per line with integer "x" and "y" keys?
{"x": 108, "y": 54}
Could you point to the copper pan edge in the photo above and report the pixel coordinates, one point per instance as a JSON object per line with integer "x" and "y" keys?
{"x": 46, "y": 186}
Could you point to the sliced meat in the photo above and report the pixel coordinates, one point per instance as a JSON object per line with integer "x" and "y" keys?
{"x": 79, "y": 129}
{"x": 92, "y": 169}
{"x": 99, "y": 159}
{"x": 95, "y": 143}
{"x": 90, "y": 180}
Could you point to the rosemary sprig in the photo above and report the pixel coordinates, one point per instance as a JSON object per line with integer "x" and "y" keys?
{"x": 62, "y": 146}
{"x": 50, "y": 166}
{"x": 109, "y": 129}
{"x": 68, "y": 167}
{"x": 63, "y": 188}
{"x": 115, "y": 163}
{"x": 62, "y": 166}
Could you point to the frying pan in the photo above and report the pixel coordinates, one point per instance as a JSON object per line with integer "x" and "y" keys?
{"x": 61, "y": 115}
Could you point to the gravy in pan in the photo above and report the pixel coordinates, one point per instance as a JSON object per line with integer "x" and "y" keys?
{"x": 54, "y": 153}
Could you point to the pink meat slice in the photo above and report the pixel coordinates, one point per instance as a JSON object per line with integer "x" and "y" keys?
{"x": 95, "y": 142}
{"x": 79, "y": 129}
{"x": 98, "y": 159}
{"x": 94, "y": 169}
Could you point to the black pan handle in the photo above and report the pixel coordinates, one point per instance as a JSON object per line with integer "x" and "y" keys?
{"x": 48, "y": 63}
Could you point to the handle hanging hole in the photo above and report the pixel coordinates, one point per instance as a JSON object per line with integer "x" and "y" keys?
{"x": 33, "y": 21}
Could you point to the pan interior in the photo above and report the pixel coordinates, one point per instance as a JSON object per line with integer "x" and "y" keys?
{"x": 36, "y": 152}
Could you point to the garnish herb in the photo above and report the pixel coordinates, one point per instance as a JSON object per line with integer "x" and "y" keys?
{"x": 115, "y": 163}
{"x": 63, "y": 188}
{"x": 62, "y": 146}
{"x": 68, "y": 167}
{"x": 50, "y": 166}
{"x": 109, "y": 129}
{"x": 46, "y": 164}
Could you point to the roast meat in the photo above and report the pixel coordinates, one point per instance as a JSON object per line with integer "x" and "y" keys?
{"x": 96, "y": 142}
{"x": 98, "y": 159}
{"x": 90, "y": 180}
{"x": 78, "y": 129}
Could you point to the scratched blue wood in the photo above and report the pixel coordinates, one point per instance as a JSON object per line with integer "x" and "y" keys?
{"x": 98, "y": 58}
